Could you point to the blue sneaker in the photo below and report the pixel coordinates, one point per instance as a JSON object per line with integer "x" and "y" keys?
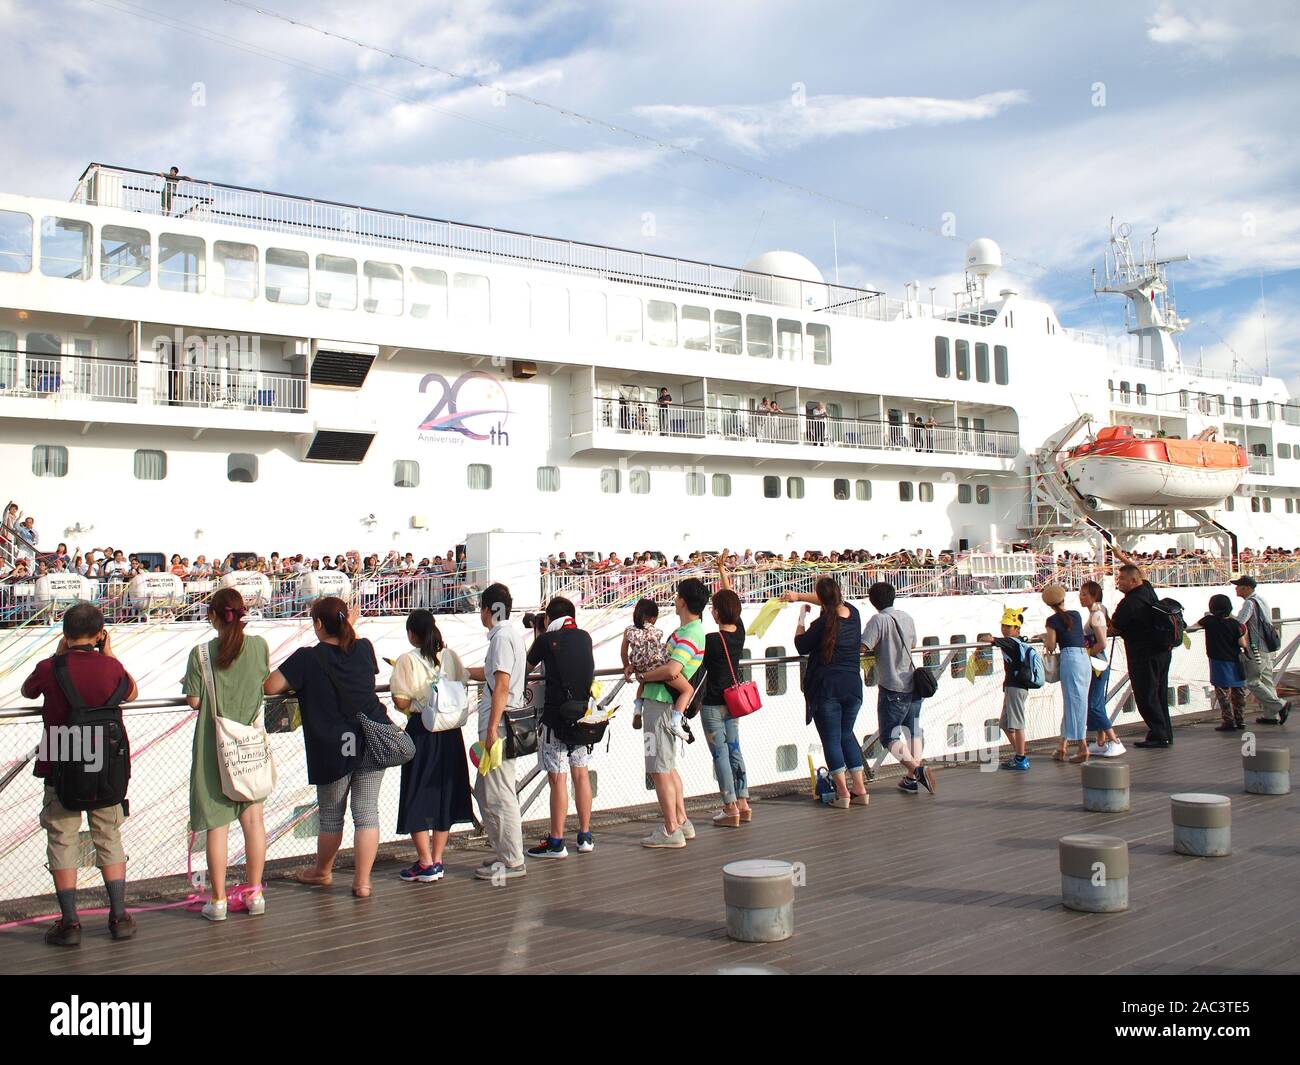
{"x": 585, "y": 843}
{"x": 908, "y": 786}
{"x": 422, "y": 874}
{"x": 1017, "y": 763}
{"x": 550, "y": 847}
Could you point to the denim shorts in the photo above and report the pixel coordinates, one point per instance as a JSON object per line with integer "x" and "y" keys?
{"x": 897, "y": 711}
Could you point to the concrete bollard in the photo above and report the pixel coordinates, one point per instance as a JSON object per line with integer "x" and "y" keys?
{"x": 1105, "y": 787}
{"x": 1202, "y": 824}
{"x": 1268, "y": 771}
{"x": 759, "y": 895}
{"x": 1094, "y": 873}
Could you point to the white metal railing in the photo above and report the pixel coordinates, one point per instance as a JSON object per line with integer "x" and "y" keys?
{"x": 1119, "y": 358}
{"x": 1262, "y": 464}
{"x": 66, "y": 376}
{"x": 229, "y": 389}
{"x": 149, "y": 193}
{"x": 647, "y": 418}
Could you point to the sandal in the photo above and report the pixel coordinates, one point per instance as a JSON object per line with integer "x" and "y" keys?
{"x": 746, "y": 816}
{"x": 309, "y": 876}
{"x": 859, "y": 800}
{"x": 1058, "y": 755}
{"x": 361, "y": 891}
{"x": 722, "y": 819}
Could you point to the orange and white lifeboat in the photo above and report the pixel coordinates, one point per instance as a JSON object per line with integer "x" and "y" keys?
{"x": 1119, "y": 469}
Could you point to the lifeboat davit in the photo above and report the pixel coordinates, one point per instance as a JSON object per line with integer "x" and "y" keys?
{"x": 1119, "y": 469}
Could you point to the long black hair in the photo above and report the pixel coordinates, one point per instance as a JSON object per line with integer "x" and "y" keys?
{"x": 420, "y": 624}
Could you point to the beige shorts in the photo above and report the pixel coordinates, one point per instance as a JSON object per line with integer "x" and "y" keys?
{"x": 63, "y": 833}
{"x": 661, "y": 746}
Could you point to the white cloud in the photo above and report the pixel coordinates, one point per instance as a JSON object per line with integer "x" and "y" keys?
{"x": 786, "y": 124}
{"x": 1270, "y": 26}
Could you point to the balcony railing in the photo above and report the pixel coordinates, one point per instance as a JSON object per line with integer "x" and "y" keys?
{"x": 66, "y": 376}
{"x": 1262, "y": 464}
{"x": 149, "y": 193}
{"x": 228, "y": 389}
{"x": 686, "y": 422}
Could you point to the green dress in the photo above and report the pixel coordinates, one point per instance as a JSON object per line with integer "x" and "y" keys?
{"x": 239, "y": 694}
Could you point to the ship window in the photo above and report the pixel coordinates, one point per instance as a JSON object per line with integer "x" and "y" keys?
{"x": 661, "y": 323}
{"x": 478, "y": 476}
{"x": 472, "y": 299}
{"x": 1291, "y": 414}
{"x": 235, "y": 267}
{"x": 241, "y": 468}
{"x": 1254, "y": 504}
{"x": 548, "y": 478}
{"x": 383, "y": 288}
{"x": 1223, "y": 404}
{"x": 1182, "y": 398}
{"x": 609, "y": 480}
{"x": 963, "y": 493}
{"x": 1254, "y": 408}
{"x": 726, "y": 332}
{"x": 150, "y": 465}
{"x": 1272, "y": 411}
{"x": 963, "y": 360}
{"x": 942, "y": 358}
{"x": 1284, "y": 451}
{"x": 771, "y": 487}
{"x": 1124, "y": 392}
{"x": 406, "y": 473}
{"x": 1290, "y": 504}
{"x": 428, "y": 293}
{"x": 15, "y": 242}
{"x": 638, "y": 482}
{"x": 336, "y": 282}
{"x": 925, "y": 492}
{"x": 905, "y": 491}
{"x": 1001, "y": 368}
{"x": 695, "y": 328}
{"x": 1228, "y": 504}
{"x": 124, "y": 256}
{"x": 65, "y": 248}
{"x": 776, "y": 671}
{"x": 588, "y": 314}
{"x": 49, "y": 460}
{"x": 287, "y": 276}
{"x": 819, "y": 336}
{"x": 1268, "y": 505}
{"x": 789, "y": 340}
{"x": 794, "y": 487}
{"x": 982, "y": 494}
{"x": 841, "y": 487}
{"x": 551, "y": 310}
{"x": 694, "y": 484}
{"x": 1236, "y": 406}
{"x": 1141, "y": 394}
{"x": 625, "y": 319}
{"x": 862, "y": 489}
{"x": 722, "y": 484}
{"x": 182, "y": 263}
{"x": 982, "y": 363}
{"x": 8, "y": 359}
{"x": 758, "y": 336}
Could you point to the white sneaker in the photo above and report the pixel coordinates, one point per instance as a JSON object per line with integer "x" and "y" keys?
{"x": 1113, "y": 749}
{"x": 660, "y": 838}
{"x": 256, "y": 904}
{"x": 687, "y": 830}
{"x": 215, "y": 911}
{"x": 1098, "y": 749}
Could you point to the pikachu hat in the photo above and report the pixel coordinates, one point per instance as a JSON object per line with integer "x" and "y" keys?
{"x": 1013, "y": 617}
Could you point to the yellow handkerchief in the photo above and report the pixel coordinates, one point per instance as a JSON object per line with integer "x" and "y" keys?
{"x": 766, "y": 615}
{"x": 972, "y": 668}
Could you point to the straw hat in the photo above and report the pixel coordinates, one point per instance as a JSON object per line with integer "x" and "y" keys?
{"x": 1054, "y": 595}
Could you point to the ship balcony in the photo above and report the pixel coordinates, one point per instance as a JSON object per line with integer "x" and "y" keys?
{"x": 1262, "y": 465}
{"x": 615, "y": 425}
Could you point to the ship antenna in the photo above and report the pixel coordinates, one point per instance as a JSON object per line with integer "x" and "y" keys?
{"x": 1263, "y": 318}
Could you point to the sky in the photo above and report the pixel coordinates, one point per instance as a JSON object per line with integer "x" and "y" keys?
{"x": 875, "y": 139}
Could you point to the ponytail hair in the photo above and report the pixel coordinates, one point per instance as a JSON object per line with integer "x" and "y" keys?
{"x": 645, "y": 611}
{"x": 332, "y": 613}
{"x": 831, "y": 599}
{"x": 420, "y": 624}
{"x": 226, "y": 611}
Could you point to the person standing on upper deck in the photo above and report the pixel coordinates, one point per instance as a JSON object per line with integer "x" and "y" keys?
{"x": 171, "y": 181}
{"x": 1254, "y": 614}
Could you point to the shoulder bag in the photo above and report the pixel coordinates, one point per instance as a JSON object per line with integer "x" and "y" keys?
{"x": 923, "y": 683}
{"x": 386, "y": 745}
{"x": 244, "y": 758}
{"x": 740, "y": 699}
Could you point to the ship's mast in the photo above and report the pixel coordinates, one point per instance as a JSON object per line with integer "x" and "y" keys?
{"x": 1144, "y": 279}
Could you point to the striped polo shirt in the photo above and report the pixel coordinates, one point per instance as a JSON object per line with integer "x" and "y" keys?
{"x": 685, "y": 646}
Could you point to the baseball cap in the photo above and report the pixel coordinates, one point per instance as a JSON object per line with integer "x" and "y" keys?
{"x": 1246, "y": 580}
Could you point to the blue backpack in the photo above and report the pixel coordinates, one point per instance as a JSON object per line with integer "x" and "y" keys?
{"x": 1029, "y": 672}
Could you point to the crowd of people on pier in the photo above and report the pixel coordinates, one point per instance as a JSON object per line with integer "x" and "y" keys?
{"x": 683, "y": 673}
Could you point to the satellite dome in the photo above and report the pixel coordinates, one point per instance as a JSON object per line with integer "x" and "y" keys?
{"x": 983, "y": 257}
{"x": 794, "y": 282}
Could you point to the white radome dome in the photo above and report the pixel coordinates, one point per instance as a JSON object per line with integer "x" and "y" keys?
{"x": 983, "y": 257}
{"x": 795, "y": 280}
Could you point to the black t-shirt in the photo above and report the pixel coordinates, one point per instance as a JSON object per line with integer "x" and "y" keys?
{"x": 717, "y": 673}
{"x": 328, "y": 729}
{"x": 570, "y": 666}
{"x": 1221, "y": 637}
{"x": 1134, "y": 622}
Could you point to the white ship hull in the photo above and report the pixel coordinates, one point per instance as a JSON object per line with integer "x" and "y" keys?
{"x": 1119, "y": 482}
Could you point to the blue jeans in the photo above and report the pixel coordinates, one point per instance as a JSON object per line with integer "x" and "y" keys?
{"x": 834, "y": 719}
{"x": 1098, "y": 718}
{"x": 723, "y": 738}
{"x": 898, "y": 715}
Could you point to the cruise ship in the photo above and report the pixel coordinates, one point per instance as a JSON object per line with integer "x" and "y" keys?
{"x": 188, "y": 366}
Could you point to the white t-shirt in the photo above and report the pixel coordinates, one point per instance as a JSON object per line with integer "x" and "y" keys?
{"x": 505, "y": 654}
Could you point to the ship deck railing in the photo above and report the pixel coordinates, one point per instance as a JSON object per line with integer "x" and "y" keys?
{"x": 193, "y": 200}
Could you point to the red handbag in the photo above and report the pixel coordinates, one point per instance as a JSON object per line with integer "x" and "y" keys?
{"x": 740, "y": 699}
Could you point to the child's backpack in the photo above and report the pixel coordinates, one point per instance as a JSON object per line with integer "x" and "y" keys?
{"x": 1029, "y": 671}
{"x": 1167, "y": 623}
